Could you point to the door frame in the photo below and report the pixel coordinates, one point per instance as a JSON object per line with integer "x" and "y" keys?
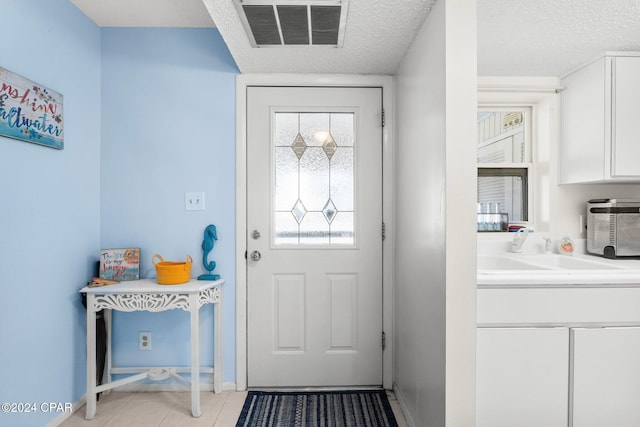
{"x": 243, "y": 81}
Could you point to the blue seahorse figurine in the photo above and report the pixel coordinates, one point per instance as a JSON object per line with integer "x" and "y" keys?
{"x": 210, "y": 236}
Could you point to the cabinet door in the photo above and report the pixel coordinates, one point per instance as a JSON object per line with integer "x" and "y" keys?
{"x": 625, "y": 161}
{"x": 582, "y": 143}
{"x": 606, "y": 387}
{"x": 522, "y": 377}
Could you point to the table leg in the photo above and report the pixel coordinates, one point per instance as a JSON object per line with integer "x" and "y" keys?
{"x": 91, "y": 357}
{"x": 108, "y": 365}
{"x": 217, "y": 351}
{"x": 195, "y": 354}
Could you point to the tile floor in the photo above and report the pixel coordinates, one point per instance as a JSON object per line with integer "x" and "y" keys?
{"x": 173, "y": 409}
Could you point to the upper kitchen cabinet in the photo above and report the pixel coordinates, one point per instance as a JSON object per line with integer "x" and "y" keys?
{"x": 600, "y": 139}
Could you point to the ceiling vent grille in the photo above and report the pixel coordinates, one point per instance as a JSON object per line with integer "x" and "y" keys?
{"x": 279, "y": 23}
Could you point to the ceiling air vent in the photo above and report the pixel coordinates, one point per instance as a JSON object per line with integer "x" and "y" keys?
{"x": 273, "y": 23}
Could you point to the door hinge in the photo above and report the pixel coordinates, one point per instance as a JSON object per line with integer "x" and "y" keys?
{"x": 382, "y": 122}
{"x": 384, "y": 340}
{"x": 384, "y": 231}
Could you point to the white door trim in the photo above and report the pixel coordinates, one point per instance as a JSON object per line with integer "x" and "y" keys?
{"x": 242, "y": 82}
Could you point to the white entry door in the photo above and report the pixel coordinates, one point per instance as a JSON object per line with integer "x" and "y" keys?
{"x": 314, "y": 220}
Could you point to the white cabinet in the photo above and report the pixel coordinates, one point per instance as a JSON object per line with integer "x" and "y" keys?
{"x": 600, "y": 140}
{"x": 522, "y": 377}
{"x": 558, "y": 356}
{"x": 606, "y": 377}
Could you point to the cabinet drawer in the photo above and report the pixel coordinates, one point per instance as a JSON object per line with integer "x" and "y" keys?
{"x": 558, "y": 306}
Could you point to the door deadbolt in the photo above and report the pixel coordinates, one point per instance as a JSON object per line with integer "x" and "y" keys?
{"x": 256, "y": 256}
{"x": 255, "y": 234}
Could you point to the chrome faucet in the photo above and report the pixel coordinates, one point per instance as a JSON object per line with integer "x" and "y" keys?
{"x": 518, "y": 239}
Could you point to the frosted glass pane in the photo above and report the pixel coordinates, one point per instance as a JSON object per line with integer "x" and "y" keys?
{"x": 314, "y": 179}
{"x": 286, "y": 178}
{"x": 342, "y": 179}
{"x": 314, "y": 229}
{"x": 286, "y": 229}
{"x": 314, "y": 127}
{"x": 342, "y": 128}
{"x": 342, "y": 228}
{"x": 286, "y": 128}
{"x": 314, "y": 188}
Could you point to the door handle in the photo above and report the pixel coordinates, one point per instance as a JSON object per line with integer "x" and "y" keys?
{"x": 256, "y": 256}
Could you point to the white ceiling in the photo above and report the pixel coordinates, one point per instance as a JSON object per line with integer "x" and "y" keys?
{"x": 146, "y": 13}
{"x": 552, "y": 37}
{"x": 515, "y": 37}
{"x": 377, "y": 35}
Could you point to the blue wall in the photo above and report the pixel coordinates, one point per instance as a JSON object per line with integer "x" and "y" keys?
{"x": 168, "y": 127}
{"x": 49, "y": 210}
{"x": 149, "y": 115}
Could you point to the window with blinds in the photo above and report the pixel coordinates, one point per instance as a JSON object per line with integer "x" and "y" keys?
{"x": 504, "y": 162}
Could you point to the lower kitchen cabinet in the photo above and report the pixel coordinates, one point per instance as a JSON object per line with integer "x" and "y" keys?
{"x": 566, "y": 356}
{"x": 523, "y": 377}
{"x": 606, "y": 377}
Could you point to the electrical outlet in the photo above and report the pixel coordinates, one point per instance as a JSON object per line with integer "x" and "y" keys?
{"x": 144, "y": 341}
{"x": 194, "y": 201}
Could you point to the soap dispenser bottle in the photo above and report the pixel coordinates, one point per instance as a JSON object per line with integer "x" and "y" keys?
{"x": 566, "y": 246}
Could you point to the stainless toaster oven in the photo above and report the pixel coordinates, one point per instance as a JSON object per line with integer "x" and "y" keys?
{"x": 613, "y": 227}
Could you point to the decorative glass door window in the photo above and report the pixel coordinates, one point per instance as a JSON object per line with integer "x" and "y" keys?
{"x": 314, "y": 178}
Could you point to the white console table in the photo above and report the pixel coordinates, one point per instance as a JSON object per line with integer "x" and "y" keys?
{"x": 147, "y": 295}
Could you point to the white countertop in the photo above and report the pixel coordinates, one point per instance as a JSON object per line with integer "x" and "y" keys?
{"x": 532, "y": 267}
{"x": 559, "y": 279}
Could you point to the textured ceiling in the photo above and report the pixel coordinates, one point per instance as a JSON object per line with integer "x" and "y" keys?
{"x": 377, "y": 35}
{"x": 378, "y": 32}
{"x": 515, "y": 37}
{"x": 552, "y": 37}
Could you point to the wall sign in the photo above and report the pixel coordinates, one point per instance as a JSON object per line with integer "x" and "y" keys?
{"x": 120, "y": 264}
{"x": 30, "y": 112}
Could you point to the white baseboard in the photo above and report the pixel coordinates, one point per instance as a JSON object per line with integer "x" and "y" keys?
{"x": 142, "y": 387}
{"x": 57, "y": 421}
{"x": 403, "y": 406}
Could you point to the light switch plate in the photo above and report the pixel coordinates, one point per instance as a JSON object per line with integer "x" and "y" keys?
{"x": 194, "y": 201}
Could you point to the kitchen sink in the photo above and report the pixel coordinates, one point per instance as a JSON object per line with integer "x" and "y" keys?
{"x": 505, "y": 263}
{"x": 510, "y": 263}
{"x": 566, "y": 262}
